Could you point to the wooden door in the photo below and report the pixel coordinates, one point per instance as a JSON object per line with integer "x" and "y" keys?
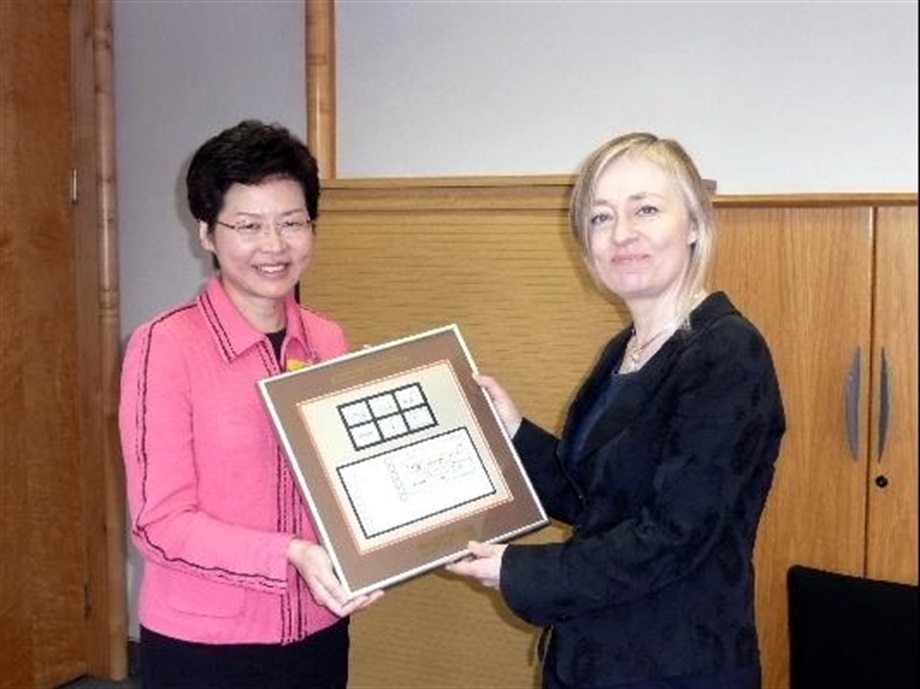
{"x": 892, "y": 490}
{"x": 803, "y": 276}
{"x": 62, "y": 571}
{"x": 43, "y": 573}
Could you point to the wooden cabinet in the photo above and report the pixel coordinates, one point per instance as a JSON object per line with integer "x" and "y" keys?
{"x": 891, "y": 545}
{"x": 834, "y": 289}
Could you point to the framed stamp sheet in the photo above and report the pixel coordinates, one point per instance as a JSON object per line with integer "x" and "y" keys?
{"x": 401, "y": 458}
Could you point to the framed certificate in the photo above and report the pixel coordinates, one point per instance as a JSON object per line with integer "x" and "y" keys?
{"x": 401, "y": 458}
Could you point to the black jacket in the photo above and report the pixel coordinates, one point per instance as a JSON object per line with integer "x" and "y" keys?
{"x": 656, "y": 578}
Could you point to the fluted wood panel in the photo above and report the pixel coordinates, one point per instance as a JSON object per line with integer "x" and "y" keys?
{"x": 497, "y": 260}
{"x": 494, "y": 256}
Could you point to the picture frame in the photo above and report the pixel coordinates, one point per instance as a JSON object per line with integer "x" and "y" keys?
{"x": 401, "y": 458}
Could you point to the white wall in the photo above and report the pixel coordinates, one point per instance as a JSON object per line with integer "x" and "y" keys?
{"x": 184, "y": 70}
{"x": 769, "y": 97}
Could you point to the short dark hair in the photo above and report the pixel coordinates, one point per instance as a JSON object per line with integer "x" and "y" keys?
{"x": 252, "y": 152}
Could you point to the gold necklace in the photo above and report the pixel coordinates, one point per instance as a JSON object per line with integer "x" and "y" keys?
{"x": 634, "y": 349}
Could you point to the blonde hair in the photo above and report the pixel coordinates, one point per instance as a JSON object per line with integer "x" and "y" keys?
{"x": 671, "y": 157}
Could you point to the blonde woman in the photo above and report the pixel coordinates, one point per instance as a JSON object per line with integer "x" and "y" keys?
{"x": 666, "y": 457}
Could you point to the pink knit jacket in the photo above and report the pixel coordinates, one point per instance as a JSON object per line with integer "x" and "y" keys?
{"x": 213, "y": 503}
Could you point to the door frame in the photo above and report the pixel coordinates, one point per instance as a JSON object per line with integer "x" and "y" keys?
{"x": 98, "y": 336}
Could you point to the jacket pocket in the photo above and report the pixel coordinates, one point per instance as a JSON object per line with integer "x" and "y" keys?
{"x": 196, "y": 596}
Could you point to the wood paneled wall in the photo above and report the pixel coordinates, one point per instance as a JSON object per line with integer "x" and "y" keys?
{"x": 494, "y": 255}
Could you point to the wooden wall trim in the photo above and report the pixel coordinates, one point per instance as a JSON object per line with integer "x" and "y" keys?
{"x": 110, "y": 658}
{"x": 841, "y": 200}
{"x": 473, "y": 181}
{"x": 320, "y": 46}
{"x": 98, "y": 337}
{"x": 445, "y": 198}
{"x": 541, "y": 192}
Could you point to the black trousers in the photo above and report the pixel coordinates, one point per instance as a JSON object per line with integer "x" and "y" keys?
{"x": 318, "y": 662}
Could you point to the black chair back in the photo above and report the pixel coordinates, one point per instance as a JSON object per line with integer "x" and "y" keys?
{"x": 848, "y": 632}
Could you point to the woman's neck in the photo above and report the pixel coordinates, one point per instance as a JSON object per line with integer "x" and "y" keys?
{"x": 264, "y": 314}
{"x": 266, "y": 318}
{"x": 653, "y": 318}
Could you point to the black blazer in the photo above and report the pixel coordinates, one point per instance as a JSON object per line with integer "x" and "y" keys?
{"x": 656, "y": 578}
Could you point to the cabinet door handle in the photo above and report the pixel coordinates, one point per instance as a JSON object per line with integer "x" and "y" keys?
{"x": 852, "y": 406}
{"x": 884, "y": 407}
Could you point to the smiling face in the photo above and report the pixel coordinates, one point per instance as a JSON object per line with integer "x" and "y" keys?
{"x": 640, "y": 231}
{"x": 259, "y": 271}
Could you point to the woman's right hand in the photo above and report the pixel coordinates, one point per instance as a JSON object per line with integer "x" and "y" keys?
{"x": 314, "y": 565}
{"x": 507, "y": 410}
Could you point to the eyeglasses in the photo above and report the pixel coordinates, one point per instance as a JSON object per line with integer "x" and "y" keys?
{"x": 287, "y": 229}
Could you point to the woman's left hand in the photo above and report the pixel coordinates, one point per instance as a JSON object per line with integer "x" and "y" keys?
{"x": 484, "y": 563}
{"x": 313, "y": 564}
